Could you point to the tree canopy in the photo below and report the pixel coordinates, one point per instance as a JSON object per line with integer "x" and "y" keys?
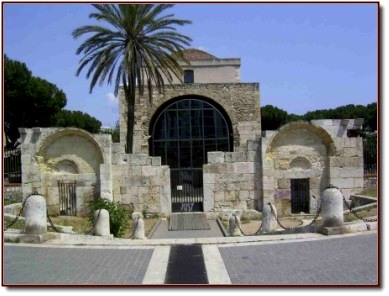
{"x": 66, "y": 118}
{"x": 31, "y": 101}
{"x": 272, "y": 117}
{"x": 136, "y": 45}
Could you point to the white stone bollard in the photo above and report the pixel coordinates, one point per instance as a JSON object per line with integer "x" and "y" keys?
{"x": 101, "y": 219}
{"x": 269, "y": 222}
{"x": 35, "y": 213}
{"x": 139, "y": 228}
{"x": 332, "y": 207}
{"x": 234, "y": 225}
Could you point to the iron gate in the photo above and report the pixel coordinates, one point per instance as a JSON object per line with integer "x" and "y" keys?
{"x": 300, "y": 195}
{"x": 187, "y": 190}
{"x": 67, "y": 198}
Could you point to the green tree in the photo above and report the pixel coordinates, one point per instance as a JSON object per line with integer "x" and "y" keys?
{"x": 138, "y": 46}
{"x": 272, "y": 117}
{"x": 28, "y": 101}
{"x": 67, "y": 118}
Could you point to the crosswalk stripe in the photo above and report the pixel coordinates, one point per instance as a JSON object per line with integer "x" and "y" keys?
{"x": 156, "y": 271}
{"x": 216, "y": 270}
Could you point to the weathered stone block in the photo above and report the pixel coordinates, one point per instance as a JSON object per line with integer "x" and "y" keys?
{"x": 244, "y": 168}
{"x": 215, "y": 157}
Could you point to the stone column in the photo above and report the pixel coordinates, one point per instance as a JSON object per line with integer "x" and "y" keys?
{"x": 332, "y": 207}
{"x": 35, "y": 213}
{"x": 234, "y": 225}
{"x": 269, "y": 222}
{"x": 101, "y": 219}
{"x": 139, "y": 228}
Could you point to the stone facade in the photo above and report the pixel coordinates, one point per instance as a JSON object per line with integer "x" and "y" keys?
{"x": 319, "y": 151}
{"x": 140, "y": 182}
{"x": 260, "y": 168}
{"x": 240, "y": 101}
{"x": 52, "y": 155}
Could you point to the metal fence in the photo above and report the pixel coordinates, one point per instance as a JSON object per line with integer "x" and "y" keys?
{"x": 370, "y": 156}
{"x": 12, "y": 166}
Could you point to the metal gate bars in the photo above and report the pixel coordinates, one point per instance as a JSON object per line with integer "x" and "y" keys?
{"x": 67, "y": 198}
{"x": 187, "y": 190}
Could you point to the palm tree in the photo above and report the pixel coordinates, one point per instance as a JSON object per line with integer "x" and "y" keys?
{"x": 139, "y": 47}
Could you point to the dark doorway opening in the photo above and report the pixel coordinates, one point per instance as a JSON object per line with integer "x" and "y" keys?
{"x": 300, "y": 195}
{"x": 182, "y": 134}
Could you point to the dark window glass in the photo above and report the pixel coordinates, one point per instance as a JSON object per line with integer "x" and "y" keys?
{"x": 186, "y": 131}
{"x": 197, "y": 154}
{"x": 171, "y": 125}
{"x": 185, "y": 154}
{"x": 188, "y": 76}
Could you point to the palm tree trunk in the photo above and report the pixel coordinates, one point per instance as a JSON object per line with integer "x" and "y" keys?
{"x": 129, "y": 85}
{"x": 130, "y": 122}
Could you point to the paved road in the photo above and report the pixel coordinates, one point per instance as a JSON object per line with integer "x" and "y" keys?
{"x": 347, "y": 260}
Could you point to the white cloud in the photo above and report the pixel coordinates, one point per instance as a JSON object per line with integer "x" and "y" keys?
{"x": 111, "y": 98}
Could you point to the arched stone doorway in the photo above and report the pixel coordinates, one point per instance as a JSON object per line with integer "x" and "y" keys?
{"x": 182, "y": 132}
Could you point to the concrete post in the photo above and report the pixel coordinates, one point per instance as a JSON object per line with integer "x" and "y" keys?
{"x": 234, "y": 225}
{"x": 269, "y": 222}
{"x": 35, "y": 213}
{"x": 139, "y": 228}
{"x": 332, "y": 207}
{"x": 101, "y": 219}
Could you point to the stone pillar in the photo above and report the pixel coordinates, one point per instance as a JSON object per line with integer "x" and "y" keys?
{"x": 234, "y": 225}
{"x": 269, "y": 222}
{"x": 101, "y": 219}
{"x": 139, "y": 228}
{"x": 35, "y": 213}
{"x": 332, "y": 207}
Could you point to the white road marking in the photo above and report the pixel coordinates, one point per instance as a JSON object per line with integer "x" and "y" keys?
{"x": 156, "y": 271}
{"x": 216, "y": 270}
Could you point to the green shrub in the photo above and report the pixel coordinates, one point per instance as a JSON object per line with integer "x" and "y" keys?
{"x": 118, "y": 215}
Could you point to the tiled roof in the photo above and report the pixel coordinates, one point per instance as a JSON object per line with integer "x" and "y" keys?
{"x": 192, "y": 54}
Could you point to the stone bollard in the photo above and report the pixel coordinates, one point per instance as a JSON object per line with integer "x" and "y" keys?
{"x": 332, "y": 207}
{"x": 139, "y": 227}
{"x": 35, "y": 213}
{"x": 269, "y": 222}
{"x": 101, "y": 219}
{"x": 234, "y": 225}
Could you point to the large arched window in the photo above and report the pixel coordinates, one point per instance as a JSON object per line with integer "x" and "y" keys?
{"x": 184, "y": 131}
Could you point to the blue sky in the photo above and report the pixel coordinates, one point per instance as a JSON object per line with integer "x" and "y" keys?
{"x": 305, "y": 56}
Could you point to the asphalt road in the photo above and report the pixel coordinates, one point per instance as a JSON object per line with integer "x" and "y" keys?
{"x": 349, "y": 260}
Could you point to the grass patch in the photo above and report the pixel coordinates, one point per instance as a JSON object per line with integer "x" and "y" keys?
{"x": 19, "y": 224}
{"x": 349, "y": 217}
{"x": 79, "y": 224}
{"x": 372, "y": 192}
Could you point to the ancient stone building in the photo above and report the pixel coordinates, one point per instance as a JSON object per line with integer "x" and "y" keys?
{"x": 197, "y": 147}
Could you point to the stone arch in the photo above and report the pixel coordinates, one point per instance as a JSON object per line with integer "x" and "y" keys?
{"x": 298, "y": 150}
{"x": 302, "y": 126}
{"x": 156, "y": 111}
{"x": 72, "y": 146}
{"x": 300, "y": 163}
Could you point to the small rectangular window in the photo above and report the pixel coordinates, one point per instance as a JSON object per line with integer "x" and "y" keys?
{"x": 188, "y": 76}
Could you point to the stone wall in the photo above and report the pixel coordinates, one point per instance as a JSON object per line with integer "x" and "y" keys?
{"x": 232, "y": 180}
{"x": 319, "y": 151}
{"x": 240, "y": 101}
{"x": 346, "y": 165}
{"x": 52, "y": 155}
{"x": 140, "y": 182}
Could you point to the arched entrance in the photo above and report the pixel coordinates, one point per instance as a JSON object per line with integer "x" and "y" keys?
{"x": 182, "y": 132}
